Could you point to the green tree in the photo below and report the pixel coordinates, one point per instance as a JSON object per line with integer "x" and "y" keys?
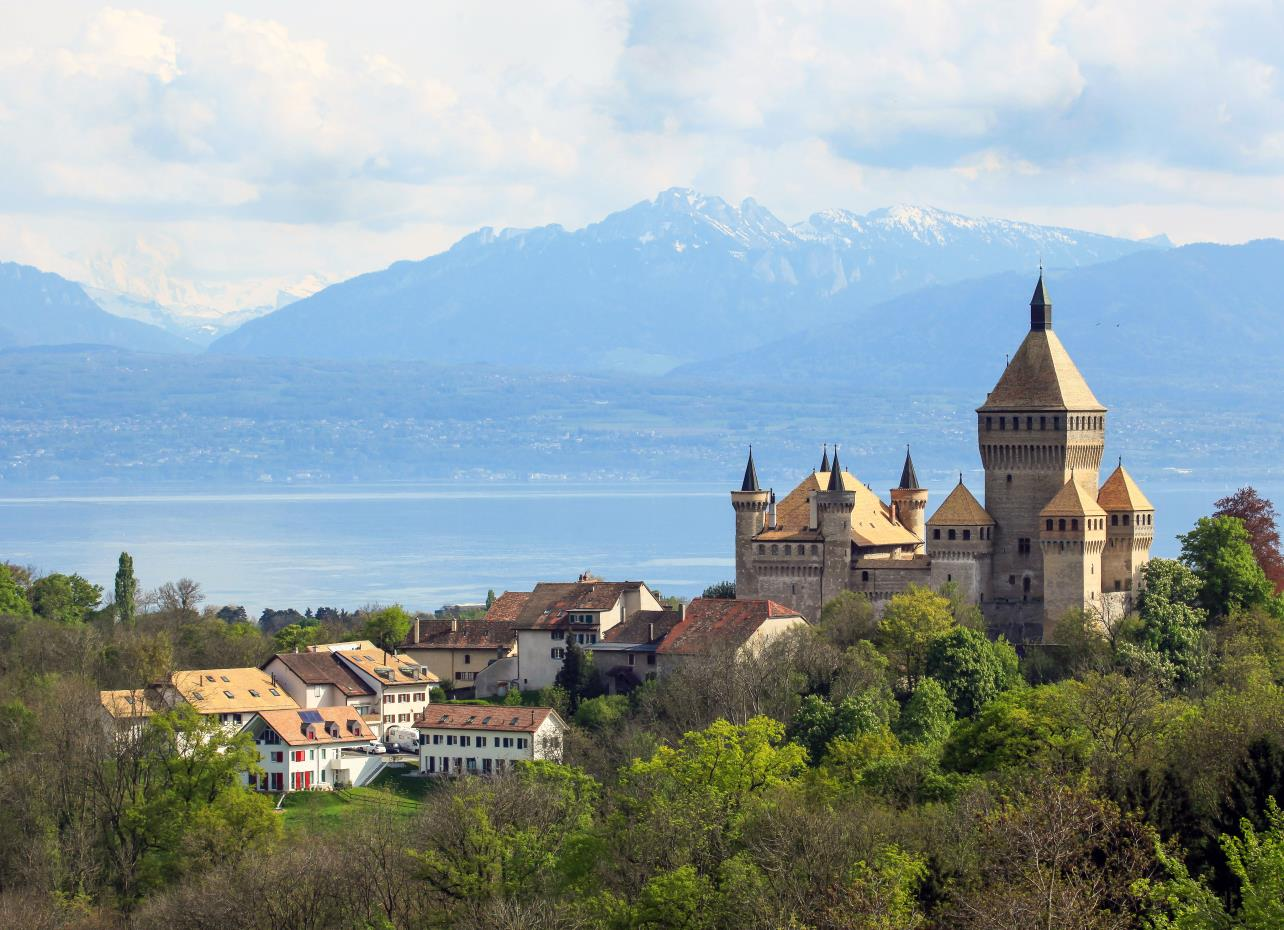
{"x": 1170, "y": 643}
{"x": 1257, "y": 861}
{"x": 64, "y": 598}
{"x": 817, "y": 722}
{"x": 928, "y": 715}
{"x": 389, "y": 627}
{"x": 577, "y": 676}
{"x": 294, "y": 638}
{"x": 1220, "y": 553}
{"x": 126, "y": 591}
{"x": 1261, "y": 521}
{"x": 723, "y": 590}
{"x": 848, "y": 619}
{"x": 1019, "y": 729}
{"x": 911, "y": 622}
{"x": 601, "y": 713}
{"x": 972, "y": 669}
{"x": 512, "y": 698}
{"x": 13, "y": 602}
{"x": 490, "y": 598}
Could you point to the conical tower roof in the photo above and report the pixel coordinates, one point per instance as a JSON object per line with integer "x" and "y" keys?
{"x": 909, "y": 480}
{"x": 960, "y": 508}
{"x": 750, "y": 482}
{"x": 1072, "y": 501}
{"x": 1041, "y": 376}
{"x": 836, "y": 474}
{"x": 1120, "y": 492}
{"x": 824, "y": 459}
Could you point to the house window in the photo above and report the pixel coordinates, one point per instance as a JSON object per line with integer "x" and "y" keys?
{"x": 298, "y": 755}
{"x": 557, "y": 635}
{"x": 436, "y": 739}
{"x": 632, "y": 659}
{"x": 465, "y": 741}
{"x": 481, "y": 742}
{"x": 421, "y": 695}
{"x": 650, "y": 659}
{"x": 230, "y": 696}
{"x": 1029, "y": 422}
{"x": 864, "y": 576}
{"x": 555, "y": 654}
{"x": 1011, "y": 579}
{"x": 468, "y": 660}
{"x": 521, "y": 742}
{"x": 278, "y": 757}
{"x": 450, "y": 740}
{"x": 1125, "y": 519}
{"x": 390, "y": 699}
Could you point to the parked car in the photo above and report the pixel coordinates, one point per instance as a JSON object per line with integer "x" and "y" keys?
{"x": 375, "y": 747}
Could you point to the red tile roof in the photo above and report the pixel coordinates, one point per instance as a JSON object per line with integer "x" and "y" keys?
{"x": 462, "y": 634}
{"x": 507, "y": 606}
{"x": 644, "y": 627}
{"x": 322, "y": 668}
{"x": 548, "y": 604}
{"x": 712, "y": 622}
{"x": 484, "y": 717}
{"x": 293, "y": 729}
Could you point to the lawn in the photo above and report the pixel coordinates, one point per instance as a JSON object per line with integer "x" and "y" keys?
{"x": 397, "y": 790}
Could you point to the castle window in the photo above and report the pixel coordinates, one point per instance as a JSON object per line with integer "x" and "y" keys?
{"x": 1011, "y": 579}
{"x": 1056, "y": 423}
{"x": 1114, "y": 519}
{"x": 1049, "y": 526}
{"x": 1125, "y": 519}
{"x": 1025, "y": 585}
{"x": 1009, "y": 479}
{"x": 1029, "y": 422}
{"x": 1061, "y": 525}
{"x": 775, "y": 550}
{"x": 989, "y": 423}
{"x": 949, "y": 577}
{"x": 1023, "y": 546}
{"x": 813, "y": 549}
{"x": 967, "y": 534}
{"x": 1016, "y": 422}
{"x": 864, "y": 576}
{"x": 1118, "y": 584}
{"x": 951, "y": 534}
{"x": 1074, "y": 524}
{"x": 1043, "y": 422}
{"x": 1003, "y": 423}
{"x": 788, "y": 549}
{"x": 936, "y": 534}
{"x": 1127, "y": 584}
{"x": 762, "y": 550}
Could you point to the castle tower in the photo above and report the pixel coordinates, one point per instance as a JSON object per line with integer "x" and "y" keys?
{"x": 1072, "y": 537}
{"x": 1129, "y": 532}
{"x": 962, "y": 544}
{"x": 750, "y": 504}
{"x": 1040, "y": 426}
{"x": 834, "y": 507}
{"x": 910, "y": 500}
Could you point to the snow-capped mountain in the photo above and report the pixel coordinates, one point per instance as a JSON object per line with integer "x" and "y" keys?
{"x": 202, "y": 325}
{"x": 671, "y": 280}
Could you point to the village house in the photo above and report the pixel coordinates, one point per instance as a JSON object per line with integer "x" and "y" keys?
{"x": 484, "y": 740}
{"x": 642, "y": 647}
{"x": 313, "y": 748}
{"x": 556, "y": 614}
{"x": 126, "y": 712}
{"x": 399, "y": 685}
{"x": 319, "y": 679}
{"x": 232, "y": 695}
{"x": 458, "y": 652}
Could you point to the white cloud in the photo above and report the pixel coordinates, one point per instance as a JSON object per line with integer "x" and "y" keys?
{"x": 214, "y": 159}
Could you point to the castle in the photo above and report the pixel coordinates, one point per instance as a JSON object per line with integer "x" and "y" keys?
{"x": 1047, "y": 539}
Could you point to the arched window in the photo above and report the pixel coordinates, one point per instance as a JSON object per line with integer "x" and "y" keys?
{"x": 951, "y": 534}
{"x": 864, "y": 576}
{"x": 1125, "y": 519}
{"x": 967, "y": 534}
{"x": 1114, "y": 519}
{"x": 1061, "y": 525}
{"x": 1049, "y": 526}
{"x": 1074, "y": 523}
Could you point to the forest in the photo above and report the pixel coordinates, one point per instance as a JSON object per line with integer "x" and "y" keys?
{"x": 903, "y": 771}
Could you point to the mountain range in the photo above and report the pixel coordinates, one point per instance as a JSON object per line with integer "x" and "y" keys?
{"x": 674, "y": 280}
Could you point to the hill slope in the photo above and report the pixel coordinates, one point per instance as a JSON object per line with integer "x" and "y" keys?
{"x": 676, "y": 279}
{"x": 40, "y": 308}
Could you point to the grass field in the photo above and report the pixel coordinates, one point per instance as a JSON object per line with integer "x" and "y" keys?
{"x": 397, "y": 790}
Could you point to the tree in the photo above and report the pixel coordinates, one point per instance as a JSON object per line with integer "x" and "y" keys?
{"x": 911, "y": 622}
{"x": 577, "y": 676}
{"x": 126, "y": 592}
{"x": 490, "y": 598}
{"x": 928, "y": 715}
{"x": 1262, "y": 523}
{"x": 388, "y": 628}
{"x": 233, "y": 613}
{"x": 847, "y": 619}
{"x": 1020, "y": 729}
{"x": 182, "y": 596}
{"x": 13, "y": 602}
{"x": 294, "y": 638}
{"x": 1171, "y": 642}
{"x": 64, "y": 598}
{"x": 1230, "y": 578}
{"x": 971, "y": 669}
{"x": 723, "y": 590}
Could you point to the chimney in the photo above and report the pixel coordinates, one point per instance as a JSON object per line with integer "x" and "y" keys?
{"x": 771, "y": 510}
{"x": 416, "y": 639}
{"x": 454, "y": 624}
{"x": 650, "y": 632}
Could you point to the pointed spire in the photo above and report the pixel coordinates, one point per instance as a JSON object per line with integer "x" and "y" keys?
{"x": 909, "y": 480}
{"x": 751, "y": 475}
{"x": 1040, "y": 306}
{"x": 824, "y": 459}
{"x": 835, "y": 473}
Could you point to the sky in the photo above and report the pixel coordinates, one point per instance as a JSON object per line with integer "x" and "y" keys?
{"x": 214, "y": 155}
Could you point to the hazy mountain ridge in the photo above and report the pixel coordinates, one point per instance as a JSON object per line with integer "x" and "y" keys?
{"x": 41, "y": 308}
{"x": 678, "y": 278}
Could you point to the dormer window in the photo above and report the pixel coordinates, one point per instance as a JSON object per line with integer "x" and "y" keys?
{"x": 274, "y": 692}
{"x": 254, "y": 693}
{"x": 230, "y": 696}
{"x": 226, "y": 679}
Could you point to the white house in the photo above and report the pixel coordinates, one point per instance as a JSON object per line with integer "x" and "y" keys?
{"x": 399, "y": 685}
{"x": 313, "y": 748}
{"x": 557, "y": 614}
{"x": 478, "y": 739}
{"x": 319, "y": 679}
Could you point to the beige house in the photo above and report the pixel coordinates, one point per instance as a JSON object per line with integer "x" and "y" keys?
{"x": 555, "y": 615}
{"x": 319, "y": 679}
{"x": 399, "y": 684}
{"x": 457, "y": 651}
{"x": 232, "y": 695}
{"x": 642, "y": 647}
{"x": 126, "y": 711}
{"x": 478, "y": 740}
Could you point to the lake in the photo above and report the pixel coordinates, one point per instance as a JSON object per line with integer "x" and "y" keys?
{"x": 421, "y": 545}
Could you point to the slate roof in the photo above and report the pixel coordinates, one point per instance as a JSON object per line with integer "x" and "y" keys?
{"x": 548, "y": 604}
{"x": 1120, "y": 492}
{"x": 872, "y": 523}
{"x": 960, "y": 508}
{"x": 465, "y": 634}
{"x": 711, "y": 622}
{"x": 909, "y": 479}
{"x": 1072, "y": 501}
{"x": 1041, "y": 376}
{"x": 495, "y": 718}
{"x": 293, "y": 729}
{"x": 750, "y": 482}
{"x": 322, "y": 668}
{"x": 645, "y": 627}
{"x": 507, "y": 606}
{"x": 251, "y": 690}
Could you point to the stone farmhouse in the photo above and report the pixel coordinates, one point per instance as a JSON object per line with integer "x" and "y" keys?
{"x": 1048, "y": 538}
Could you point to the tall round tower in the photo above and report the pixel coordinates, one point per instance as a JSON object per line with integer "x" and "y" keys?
{"x": 750, "y": 504}
{"x": 1038, "y": 428}
{"x": 911, "y": 501}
